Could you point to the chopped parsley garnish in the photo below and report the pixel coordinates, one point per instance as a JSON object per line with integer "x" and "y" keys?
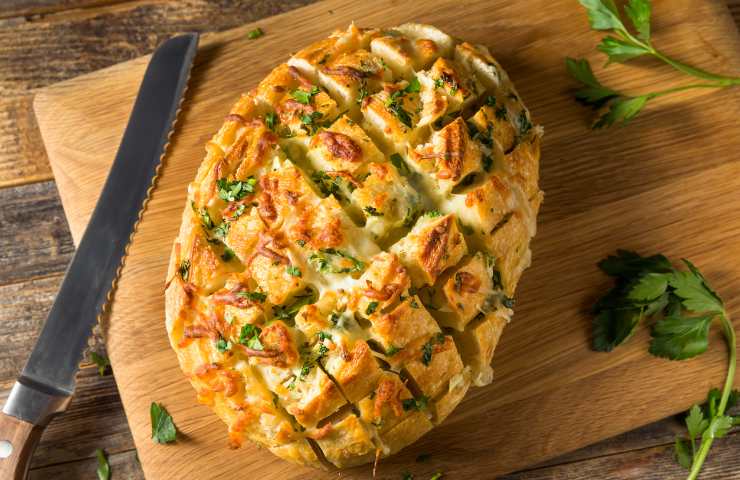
{"x": 439, "y": 83}
{"x": 288, "y": 312}
{"x": 361, "y": 94}
{"x": 491, "y": 101}
{"x": 255, "y": 34}
{"x": 327, "y": 184}
{"x": 236, "y": 189}
{"x": 293, "y": 271}
{"x": 414, "y": 304}
{"x": 508, "y": 302}
{"x": 487, "y": 163}
{"x": 394, "y": 104}
{"x": 433, "y": 214}
{"x": 271, "y": 120}
{"x": 410, "y": 218}
{"x": 324, "y": 336}
{"x": 401, "y": 166}
{"x": 324, "y": 264}
{"x": 101, "y": 361}
{"x": 413, "y": 86}
{"x": 501, "y": 113}
{"x": 300, "y": 243}
{"x": 312, "y": 358}
{"x": 253, "y": 296}
{"x": 205, "y": 217}
{"x": 415, "y": 403}
{"x": 184, "y": 270}
{"x": 304, "y": 97}
{"x": 310, "y": 120}
{"x": 228, "y": 254}
{"x": 223, "y": 345}
{"x": 250, "y": 337}
{"x": 525, "y": 125}
{"x": 371, "y": 307}
{"x": 392, "y": 350}
{"x": 428, "y": 348}
{"x": 222, "y": 230}
{"x": 372, "y": 211}
{"x": 163, "y": 428}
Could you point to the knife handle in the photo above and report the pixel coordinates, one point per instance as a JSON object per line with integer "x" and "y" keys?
{"x": 18, "y": 440}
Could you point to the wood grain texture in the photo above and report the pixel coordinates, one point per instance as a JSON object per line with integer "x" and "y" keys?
{"x": 38, "y": 50}
{"x": 547, "y": 377}
{"x": 34, "y": 236}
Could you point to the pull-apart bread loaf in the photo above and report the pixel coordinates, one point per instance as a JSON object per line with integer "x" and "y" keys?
{"x": 352, "y": 242}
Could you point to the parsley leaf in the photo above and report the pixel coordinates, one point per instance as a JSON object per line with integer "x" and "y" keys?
{"x": 250, "y": 336}
{"x": 184, "y": 270}
{"x": 304, "y": 97}
{"x": 223, "y": 345}
{"x": 413, "y": 86}
{"x": 254, "y": 34}
{"x": 235, "y": 190}
{"x": 685, "y": 307}
{"x": 602, "y": 14}
{"x": 621, "y": 46}
{"x": 371, "y": 307}
{"x": 372, "y": 211}
{"x": 288, "y": 312}
{"x": 103, "y": 470}
{"x": 619, "y": 51}
{"x": 163, "y": 428}
{"x": 101, "y": 361}
{"x": 638, "y": 12}
{"x": 324, "y": 264}
{"x": 253, "y": 296}
{"x": 228, "y": 254}
{"x": 271, "y": 120}
{"x": 683, "y": 454}
{"x": 678, "y": 338}
{"x": 417, "y": 404}
{"x": 401, "y": 166}
{"x": 428, "y": 348}
{"x": 594, "y": 93}
{"x": 294, "y": 271}
{"x": 395, "y": 105}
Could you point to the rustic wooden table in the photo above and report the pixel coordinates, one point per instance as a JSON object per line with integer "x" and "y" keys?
{"x": 45, "y": 41}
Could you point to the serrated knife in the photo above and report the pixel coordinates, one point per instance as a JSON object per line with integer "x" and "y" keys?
{"x": 47, "y": 382}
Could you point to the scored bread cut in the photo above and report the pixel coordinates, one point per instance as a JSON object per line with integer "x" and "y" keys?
{"x": 352, "y": 242}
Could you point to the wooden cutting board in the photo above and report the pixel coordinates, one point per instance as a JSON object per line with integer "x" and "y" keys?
{"x": 668, "y": 182}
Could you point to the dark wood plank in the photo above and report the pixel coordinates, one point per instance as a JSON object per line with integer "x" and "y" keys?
{"x": 34, "y": 236}
{"x": 123, "y": 466}
{"x": 26, "y": 8}
{"x": 43, "y": 49}
{"x": 655, "y": 463}
{"x": 94, "y": 419}
{"x": 23, "y": 308}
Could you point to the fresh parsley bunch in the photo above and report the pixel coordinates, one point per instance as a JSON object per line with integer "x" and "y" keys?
{"x": 623, "y": 45}
{"x": 683, "y": 307}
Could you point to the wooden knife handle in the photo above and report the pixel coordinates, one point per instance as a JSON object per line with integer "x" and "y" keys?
{"x": 15, "y": 455}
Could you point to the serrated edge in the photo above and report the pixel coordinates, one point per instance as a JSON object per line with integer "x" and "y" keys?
{"x": 106, "y": 308}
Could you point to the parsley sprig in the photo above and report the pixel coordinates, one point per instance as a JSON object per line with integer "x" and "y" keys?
{"x": 621, "y": 46}
{"x": 684, "y": 308}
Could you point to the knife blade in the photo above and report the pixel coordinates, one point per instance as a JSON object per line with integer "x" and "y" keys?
{"x": 47, "y": 381}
